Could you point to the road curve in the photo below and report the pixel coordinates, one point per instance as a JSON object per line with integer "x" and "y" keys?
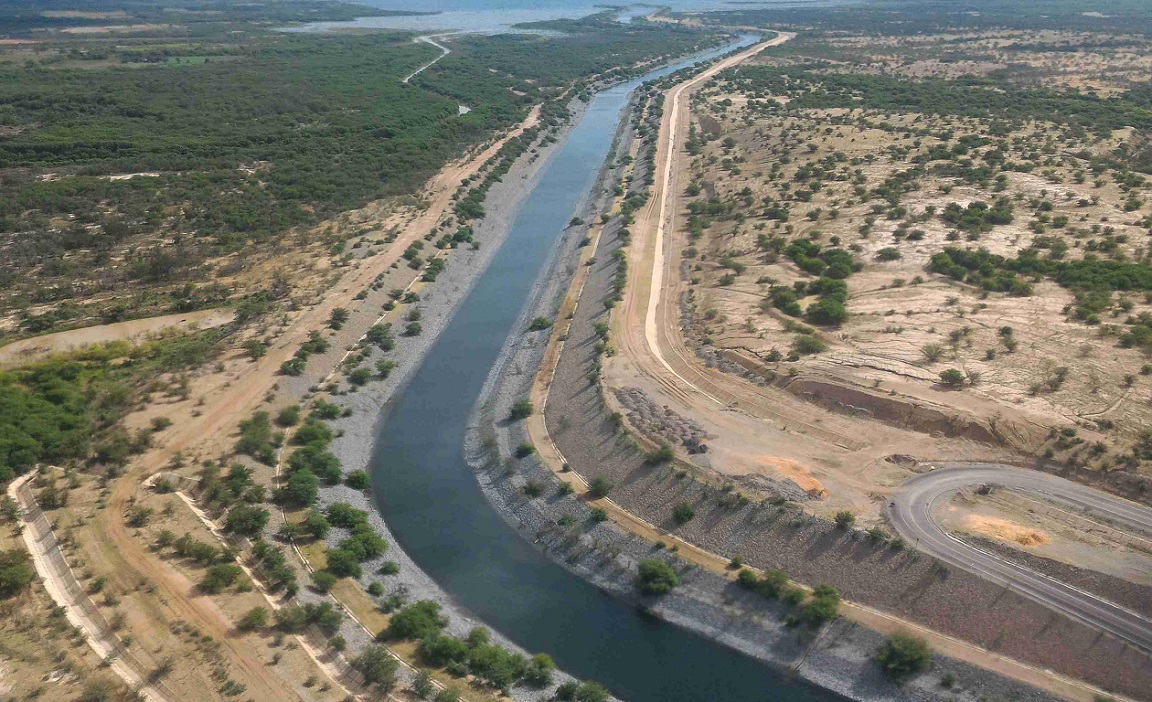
{"x": 912, "y": 514}
{"x": 429, "y": 39}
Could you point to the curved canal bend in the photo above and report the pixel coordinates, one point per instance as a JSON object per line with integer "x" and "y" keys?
{"x": 431, "y": 500}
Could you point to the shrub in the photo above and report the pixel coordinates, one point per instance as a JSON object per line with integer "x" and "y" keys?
{"x": 683, "y": 513}
{"x": 360, "y": 376}
{"x": 539, "y": 324}
{"x": 323, "y": 581}
{"x": 288, "y": 416}
{"x": 357, "y": 480}
{"x": 539, "y": 673}
{"x": 220, "y": 576}
{"x": 656, "y": 577}
{"x": 438, "y": 650}
{"x": 253, "y": 619}
{"x": 598, "y": 514}
{"x": 902, "y": 656}
{"x": 845, "y": 519}
{"x": 663, "y": 454}
{"x": 822, "y": 607}
{"x": 932, "y": 352}
{"x": 598, "y": 488}
{"x": 525, "y": 450}
{"x": 520, "y": 410}
{"x": 416, "y": 621}
{"x": 807, "y": 344}
{"x": 952, "y": 378}
{"x": 388, "y": 568}
{"x": 889, "y": 253}
{"x": 586, "y": 691}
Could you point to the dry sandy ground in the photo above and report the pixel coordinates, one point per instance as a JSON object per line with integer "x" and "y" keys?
{"x": 27, "y": 350}
{"x": 749, "y": 426}
{"x": 203, "y": 426}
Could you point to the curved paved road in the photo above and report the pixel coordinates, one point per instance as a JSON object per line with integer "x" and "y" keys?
{"x": 912, "y": 515}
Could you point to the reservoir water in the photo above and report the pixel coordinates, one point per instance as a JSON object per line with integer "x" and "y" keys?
{"x": 431, "y": 500}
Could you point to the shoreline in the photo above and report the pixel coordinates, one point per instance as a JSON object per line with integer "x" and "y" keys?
{"x": 370, "y": 405}
{"x": 838, "y": 659}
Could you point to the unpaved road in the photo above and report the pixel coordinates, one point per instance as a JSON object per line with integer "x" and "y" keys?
{"x": 210, "y": 426}
{"x": 430, "y": 39}
{"x": 913, "y": 514}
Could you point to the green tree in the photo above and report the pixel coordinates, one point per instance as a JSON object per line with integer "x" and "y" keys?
{"x": 377, "y": 666}
{"x": 416, "y": 621}
{"x": 15, "y": 572}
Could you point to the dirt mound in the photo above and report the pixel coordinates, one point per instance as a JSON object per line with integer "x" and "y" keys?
{"x": 1004, "y": 530}
{"x": 902, "y": 413}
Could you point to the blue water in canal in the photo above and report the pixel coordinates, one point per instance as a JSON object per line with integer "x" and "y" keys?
{"x": 430, "y": 498}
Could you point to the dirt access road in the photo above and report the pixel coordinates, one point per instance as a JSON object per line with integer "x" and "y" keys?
{"x": 652, "y": 354}
{"x": 754, "y": 429}
{"x": 914, "y": 515}
{"x": 207, "y": 430}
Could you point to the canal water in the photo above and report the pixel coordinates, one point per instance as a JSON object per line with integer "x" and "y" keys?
{"x": 430, "y": 498}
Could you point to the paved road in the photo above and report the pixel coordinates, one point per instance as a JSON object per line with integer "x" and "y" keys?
{"x": 912, "y": 513}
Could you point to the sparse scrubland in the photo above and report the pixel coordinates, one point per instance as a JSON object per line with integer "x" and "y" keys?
{"x": 160, "y": 158}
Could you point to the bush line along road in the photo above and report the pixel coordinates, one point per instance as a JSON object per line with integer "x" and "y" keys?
{"x": 912, "y": 513}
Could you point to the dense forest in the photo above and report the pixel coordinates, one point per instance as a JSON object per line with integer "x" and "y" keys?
{"x": 133, "y": 160}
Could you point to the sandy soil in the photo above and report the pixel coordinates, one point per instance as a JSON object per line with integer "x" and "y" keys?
{"x": 203, "y": 425}
{"x": 28, "y": 350}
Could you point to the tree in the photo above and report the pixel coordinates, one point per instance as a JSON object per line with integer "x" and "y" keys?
{"x": 316, "y": 525}
{"x": 416, "y": 621}
{"x": 683, "y": 512}
{"x": 343, "y": 563}
{"x": 246, "y": 520}
{"x": 902, "y": 656}
{"x": 300, "y": 490}
{"x": 377, "y": 666}
{"x": 845, "y": 519}
{"x": 15, "y": 572}
{"x": 439, "y": 650}
{"x": 827, "y": 312}
{"x": 656, "y": 577}
{"x": 952, "y": 378}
